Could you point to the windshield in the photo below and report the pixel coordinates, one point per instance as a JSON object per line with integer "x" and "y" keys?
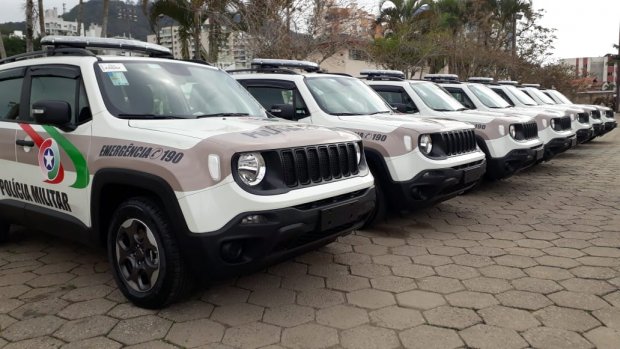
{"x": 539, "y": 96}
{"x": 560, "y": 96}
{"x": 341, "y": 95}
{"x": 521, "y": 96}
{"x": 436, "y": 97}
{"x": 488, "y": 97}
{"x": 175, "y": 90}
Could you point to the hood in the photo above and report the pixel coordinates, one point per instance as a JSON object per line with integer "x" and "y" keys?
{"x": 389, "y": 122}
{"x": 498, "y": 116}
{"x": 259, "y": 133}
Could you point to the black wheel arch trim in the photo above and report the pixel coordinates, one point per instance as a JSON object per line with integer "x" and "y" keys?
{"x": 142, "y": 181}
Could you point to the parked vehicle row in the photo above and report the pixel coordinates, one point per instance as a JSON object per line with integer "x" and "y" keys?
{"x": 187, "y": 173}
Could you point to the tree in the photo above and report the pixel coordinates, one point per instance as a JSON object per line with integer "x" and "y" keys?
{"x": 80, "y": 19}
{"x": 41, "y": 18}
{"x": 104, "y": 20}
{"x": 182, "y": 12}
{"x": 2, "y": 50}
{"x": 29, "y": 25}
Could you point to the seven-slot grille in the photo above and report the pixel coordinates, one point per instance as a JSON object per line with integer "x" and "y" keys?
{"x": 563, "y": 123}
{"x": 459, "y": 142}
{"x": 609, "y": 114}
{"x": 530, "y": 130}
{"x": 596, "y": 114}
{"x": 584, "y": 118}
{"x": 315, "y": 164}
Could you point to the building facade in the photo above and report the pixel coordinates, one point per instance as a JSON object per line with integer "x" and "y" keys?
{"x": 56, "y": 25}
{"x": 595, "y": 67}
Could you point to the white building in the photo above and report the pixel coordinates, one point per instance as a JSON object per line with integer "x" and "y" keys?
{"x": 56, "y": 25}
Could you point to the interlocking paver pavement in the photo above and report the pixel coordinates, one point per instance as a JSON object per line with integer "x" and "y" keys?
{"x": 532, "y": 261}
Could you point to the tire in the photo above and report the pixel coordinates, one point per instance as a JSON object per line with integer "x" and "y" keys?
{"x": 5, "y": 228}
{"x": 378, "y": 214}
{"x": 140, "y": 236}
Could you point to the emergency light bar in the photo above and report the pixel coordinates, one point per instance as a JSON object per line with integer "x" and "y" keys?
{"x": 285, "y": 63}
{"x": 531, "y": 85}
{"x": 480, "y": 79}
{"x": 85, "y": 42}
{"x": 383, "y": 72}
{"x": 508, "y": 82}
{"x": 442, "y": 77}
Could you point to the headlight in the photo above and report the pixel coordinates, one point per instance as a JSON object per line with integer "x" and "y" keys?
{"x": 251, "y": 168}
{"x": 553, "y": 124}
{"x": 572, "y": 117}
{"x": 358, "y": 152}
{"x": 544, "y": 123}
{"x": 513, "y": 131}
{"x": 426, "y": 144}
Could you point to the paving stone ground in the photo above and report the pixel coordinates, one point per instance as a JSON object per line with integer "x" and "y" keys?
{"x": 532, "y": 261}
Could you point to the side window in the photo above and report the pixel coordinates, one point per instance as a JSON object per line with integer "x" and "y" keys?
{"x": 399, "y": 97}
{"x": 10, "y": 93}
{"x": 503, "y": 95}
{"x": 271, "y": 96}
{"x": 462, "y": 97}
{"x": 53, "y": 88}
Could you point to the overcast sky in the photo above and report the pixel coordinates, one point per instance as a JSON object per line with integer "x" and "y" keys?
{"x": 584, "y": 28}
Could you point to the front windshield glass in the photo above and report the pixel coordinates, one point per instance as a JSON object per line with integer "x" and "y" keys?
{"x": 342, "y": 95}
{"x": 161, "y": 90}
{"x": 488, "y": 97}
{"x": 436, "y": 97}
{"x": 559, "y": 95}
{"x": 540, "y": 96}
{"x": 521, "y": 96}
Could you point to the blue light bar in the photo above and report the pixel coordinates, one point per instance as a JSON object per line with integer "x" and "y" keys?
{"x": 444, "y": 77}
{"x": 480, "y": 79}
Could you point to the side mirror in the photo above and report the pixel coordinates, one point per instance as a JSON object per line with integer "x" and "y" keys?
{"x": 403, "y": 108}
{"x": 57, "y": 113}
{"x": 285, "y": 111}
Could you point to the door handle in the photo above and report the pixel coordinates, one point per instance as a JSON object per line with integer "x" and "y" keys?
{"x": 24, "y": 143}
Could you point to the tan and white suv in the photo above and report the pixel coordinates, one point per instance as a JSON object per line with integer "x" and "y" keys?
{"x": 172, "y": 165}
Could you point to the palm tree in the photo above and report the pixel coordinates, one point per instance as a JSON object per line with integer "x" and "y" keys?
{"x": 104, "y": 20}
{"x": 2, "y": 50}
{"x": 181, "y": 12}
{"x": 29, "y": 25}
{"x": 41, "y": 19}
{"x": 80, "y": 19}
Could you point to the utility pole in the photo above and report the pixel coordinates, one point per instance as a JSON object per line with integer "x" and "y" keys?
{"x": 618, "y": 74}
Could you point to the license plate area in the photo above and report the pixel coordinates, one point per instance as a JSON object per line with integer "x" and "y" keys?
{"x": 539, "y": 154}
{"x": 472, "y": 174}
{"x": 339, "y": 215}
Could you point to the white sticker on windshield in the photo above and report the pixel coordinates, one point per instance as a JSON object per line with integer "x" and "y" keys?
{"x": 118, "y": 78}
{"x": 108, "y": 67}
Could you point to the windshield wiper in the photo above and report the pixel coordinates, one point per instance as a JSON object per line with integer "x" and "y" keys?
{"x": 345, "y": 114}
{"x": 440, "y": 109}
{"x": 220, "y": 114}
{"x": 380, "y": 112}
{"x": 148, "y": 116}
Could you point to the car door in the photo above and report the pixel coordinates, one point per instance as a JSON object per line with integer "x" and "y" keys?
{"x": 11, "y": 83}
{"x": 52, "y": 159}
{"x": 273, "y": 94}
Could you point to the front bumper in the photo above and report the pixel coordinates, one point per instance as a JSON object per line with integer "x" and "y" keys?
{"x": 585, "y": 135}
{"x": 599, "y": 129}
{"x": 240, "y": 248}
{"x": 432, "y": 186}
{"x": 559, "y": 145}
{"x": 610, "y": 125}
{"x": 516, "y": 160}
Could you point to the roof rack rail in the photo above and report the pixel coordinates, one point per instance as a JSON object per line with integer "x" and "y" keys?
{"x": 531, "y": 85}
{"x": 86, "y": 42}
{"x": 306, "y": 66}
{"x": 508, "y": 82}
{"x": 48, "y": 52}
{"x": 480, "y": 79}
{"x": 442, "y": 77}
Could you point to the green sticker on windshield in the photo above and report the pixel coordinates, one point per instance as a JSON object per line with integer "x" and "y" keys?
{"x": 118, "y": 78}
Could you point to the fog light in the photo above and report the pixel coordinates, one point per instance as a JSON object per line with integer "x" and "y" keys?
{"x": 253, "y": 219}
{"x": 231, "y": 251}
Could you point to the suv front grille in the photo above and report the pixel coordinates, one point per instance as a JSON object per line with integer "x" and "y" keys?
{"x": 584, "y": 118}
{"x": 530, "y": 130}
{"x": 458, "y": 142}
{"x": 562, "y": 124}
{"x": 315, "y": 164}
{"x": 609, "y": 114}
{"x": 596, "y": 114}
